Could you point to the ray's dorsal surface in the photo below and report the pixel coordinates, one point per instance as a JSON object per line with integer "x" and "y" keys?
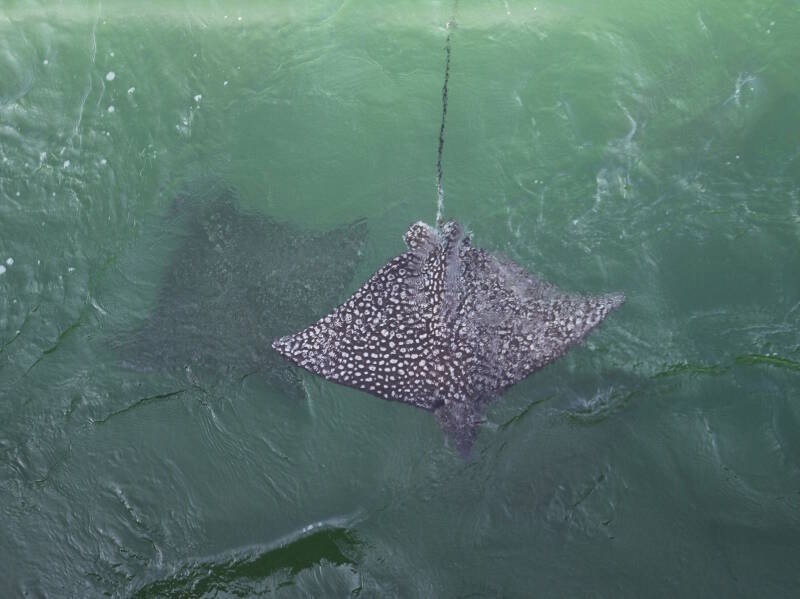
{"x": 445, "y": 327}
{"x": 234, "y": 282}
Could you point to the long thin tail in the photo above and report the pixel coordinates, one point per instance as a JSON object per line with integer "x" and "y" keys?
{"x": 439, "y": 190}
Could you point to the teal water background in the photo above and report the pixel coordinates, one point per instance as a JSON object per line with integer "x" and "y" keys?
{"x": 646, "y": 147}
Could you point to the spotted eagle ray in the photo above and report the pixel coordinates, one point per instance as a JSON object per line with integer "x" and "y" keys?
{"x": 445, "y": 327}
{"x": 235, "y": 281}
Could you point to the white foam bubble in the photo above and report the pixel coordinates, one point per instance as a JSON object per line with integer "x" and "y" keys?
{"x": 131, "y": 90}
{"x": 239, "y": 18}
{"x": 2, "y": 269}
{"x": 17, "y": 194}
{"x": 111, "y": 54}
{"x": 110, "y": 76}
{"x": 111, "y": 108}
{"x": 225, "y": 83}
{"x": 66, "y": 163}
{"x": 198, "y": 97}
{"x": 45, "y": 62}
{"x": 10, "y": 261}
{"x": 103, "y": 162}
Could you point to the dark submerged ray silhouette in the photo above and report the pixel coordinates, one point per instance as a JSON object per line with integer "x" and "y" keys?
{"x": 445, "y": 327}
{"x": 235, "y": 281}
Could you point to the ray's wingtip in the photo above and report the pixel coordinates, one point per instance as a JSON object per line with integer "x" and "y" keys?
{"x": 616, "y": 299}
{"x": 279, "y": 344}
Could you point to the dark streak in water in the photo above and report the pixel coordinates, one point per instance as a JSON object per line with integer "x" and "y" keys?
{"x": 140, "y": 402}
{"x": 61, "y": 336}
{"x": 682, "y": 368}
{"x": 247, "y": 375}
{"x": 93, "y": 281}
{"x": 21, "y": 328}
{"x": 587, "y": 493}
{"x": 42, "y": 481}
{"x": 688, "y": 368}
{"x": 524, "y": 412}
{"x": 776, "y": 361}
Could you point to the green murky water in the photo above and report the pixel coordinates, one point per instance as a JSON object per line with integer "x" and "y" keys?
{"x": 652, "y": 148}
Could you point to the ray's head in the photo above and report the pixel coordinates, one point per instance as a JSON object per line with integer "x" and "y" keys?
{"x": 421, "y": 236}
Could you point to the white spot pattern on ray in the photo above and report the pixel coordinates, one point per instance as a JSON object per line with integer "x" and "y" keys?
{"x": 445, "y": 327}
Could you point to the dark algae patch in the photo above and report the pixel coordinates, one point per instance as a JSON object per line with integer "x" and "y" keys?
{"x": 239, "y": 576}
